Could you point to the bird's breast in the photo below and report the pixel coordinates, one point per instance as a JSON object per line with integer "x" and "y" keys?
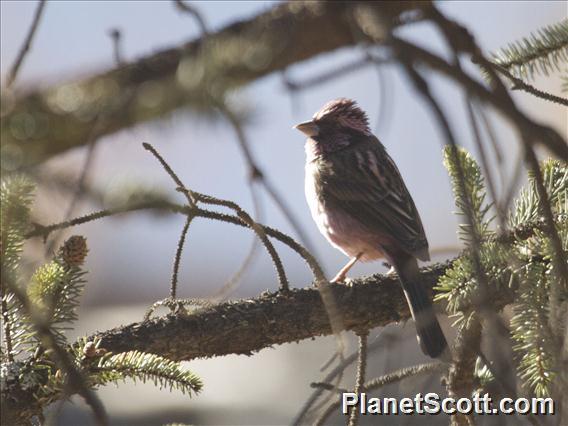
{"x": 340, "y": 229}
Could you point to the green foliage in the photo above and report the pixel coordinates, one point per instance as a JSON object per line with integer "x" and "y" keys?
{"x": 101, "y": 368}
{"x": 555, "y": 176}
{"x": 53, "y": 294}
{"x": 531, "y": 324}
{"x": 143, "y": 366}
{"x": 540, "y": 53}
{"x": 474, "y": 196}
{"x": 520, "y": 264}
{"x": 55, "y": 290}
{"x": 16, "y": 196}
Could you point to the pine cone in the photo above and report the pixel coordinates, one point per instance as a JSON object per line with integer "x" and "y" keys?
{"x": 74, "y": 250}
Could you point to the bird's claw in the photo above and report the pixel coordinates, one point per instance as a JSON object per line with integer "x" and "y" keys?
{"x": 391, "y": 272}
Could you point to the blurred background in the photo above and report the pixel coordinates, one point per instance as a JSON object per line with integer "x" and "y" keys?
{"x": 131, "y": 257}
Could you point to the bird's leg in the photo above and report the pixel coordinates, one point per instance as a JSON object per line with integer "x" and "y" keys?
{"x": 391, "y": 271}
{"x": 340, "y": 277}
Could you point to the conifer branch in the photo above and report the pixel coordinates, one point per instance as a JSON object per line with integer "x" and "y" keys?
{"x": 555, "y": 142}
{"x": 518, "y": 84}
{"x": 195, "y": 197}
{"x": 541, "y": 52}
{"x": 271, "y": 319}
{"x": 16, "y": 409}
{"x": 244, "y": 52}
{"x": 145, "y": 366}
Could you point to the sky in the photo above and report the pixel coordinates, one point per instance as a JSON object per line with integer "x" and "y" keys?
{"x": 131, "y": 257}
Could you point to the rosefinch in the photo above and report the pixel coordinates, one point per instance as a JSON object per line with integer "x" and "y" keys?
{"x": 361, "y": 205}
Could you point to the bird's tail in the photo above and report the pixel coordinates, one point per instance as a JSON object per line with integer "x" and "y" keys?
{"x": 429, "y": 333}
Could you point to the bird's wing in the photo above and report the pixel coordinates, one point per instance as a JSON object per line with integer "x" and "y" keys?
{"x": 366, "y": 184}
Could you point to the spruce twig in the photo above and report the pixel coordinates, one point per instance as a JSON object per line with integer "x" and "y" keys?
{"x": 518, "y": 84}
{"x": 24, "y": 49}
{"x": 539, "y": 53}
{"x": 194, "y": 197}
{"x": 75, "y": 378}
{"x": 177, "y": 259}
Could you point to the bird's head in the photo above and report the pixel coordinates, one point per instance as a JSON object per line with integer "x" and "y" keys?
{"x": 336, "y": 123}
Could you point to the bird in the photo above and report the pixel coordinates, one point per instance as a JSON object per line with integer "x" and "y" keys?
{"x": 360, "y": 203}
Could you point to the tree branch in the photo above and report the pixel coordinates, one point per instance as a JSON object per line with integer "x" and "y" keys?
{"x": 190, "y": 75}
{"x": 540, "y": 133}
{"x": 247, "y": 326}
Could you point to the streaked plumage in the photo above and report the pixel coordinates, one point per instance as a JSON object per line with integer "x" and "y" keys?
{"x": 360, "y": 203}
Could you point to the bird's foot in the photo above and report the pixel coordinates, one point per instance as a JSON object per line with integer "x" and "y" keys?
{"x": 343, "y": 280}
{"x": 391, "y": 272}
{"x": 340, "y": 278}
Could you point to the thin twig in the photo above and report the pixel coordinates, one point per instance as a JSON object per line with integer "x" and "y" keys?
{"x": 380, "y": 342}
{"x": 116, "y": 37}
{"x": 466, "y": 43}
{"x": 423, "y": 88}
{"x": 329, "y": 75}
{"x": 44, "y": 231}
{"x": 179, "y": 250}
{"x": 496, "y": 335}
{"x": 327, "y": 363}
{"x": 462, "y": 40}
{"x": 99, "y": 125}
{"x": 234, "y": 280}
{"x": 545, "y": 135}
{"x": 328, "y": 387}
{"x": 485, "y": 164}
{"x": 189, "y": 9}
{"x": 194, "y": 197}
{"x": 360, "y": 378}
{"x": 513, "y": 186}
{"x": 494, "y": 144}
{"x": 25, "y": 48}
{"x": 519, "y": 84}
{"x": 258, "y": 229}
{"x": 483, "y": 304}
{"x": 386, "y": 102}
{"x": 403, "y": 373}
{"x": 79, "y": 186}
{"x": 387, "y": 379}
{"x": 296, "y": 225}
{"x": 559, "y": 258}
{"x": 187, "y": 192}
{"x": 256, "y": 175}
{"x": 506, "y": 387}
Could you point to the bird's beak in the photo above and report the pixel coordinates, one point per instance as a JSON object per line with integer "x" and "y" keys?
{"x": 309, "y": 128}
